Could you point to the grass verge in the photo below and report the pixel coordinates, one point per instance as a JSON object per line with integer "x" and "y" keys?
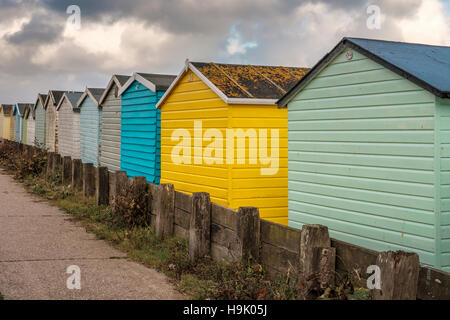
{"x": 205, "y": 279}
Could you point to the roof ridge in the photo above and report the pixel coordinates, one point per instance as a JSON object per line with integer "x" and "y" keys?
{"x": 234, "y": 81}
{"x": 399, "y": 42}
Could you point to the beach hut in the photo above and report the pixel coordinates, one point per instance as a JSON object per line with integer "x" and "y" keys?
{"x": 90, "y": 119}
{"x": 110, "y": 102}
{"x": 69, "y": 124}
{"x": 24, "y": 127}
{"x": 51, "y": 120}
{"x": 29, "y": 123}
{"x": 213, "y": 118}
{"x": 19, "y": 109}
{"x": 27, "y": 108}
{"x": 369, "y": 147}
{"x": 39, "y": 111}
{"x": 8, "y": 121}
{"x": 2, "y": 118}
{"x": 141, "y": 125}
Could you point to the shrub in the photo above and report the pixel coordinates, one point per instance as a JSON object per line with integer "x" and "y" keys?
{"x": 131, "y": 204}
{"x": 22, "y": 163}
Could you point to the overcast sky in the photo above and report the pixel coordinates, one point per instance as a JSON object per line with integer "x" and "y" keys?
{"x": 40, "y": 49}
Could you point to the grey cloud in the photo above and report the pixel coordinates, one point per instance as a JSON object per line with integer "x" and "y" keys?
{"x": 199, "y": 30}
{"x": 41, "y": 29}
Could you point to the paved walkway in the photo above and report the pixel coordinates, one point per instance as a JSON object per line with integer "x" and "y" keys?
{"x": 38, "y": 242}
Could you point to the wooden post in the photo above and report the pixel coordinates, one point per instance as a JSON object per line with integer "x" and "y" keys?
{"x": 50, "y": 160}
{"x": 249, "y": 233}
{"x": 139, "y": 185}
{"x": 56, "y": 163}
{"x": 88, "y": 180}
{"x": 112, "y": 186}
{"x": 324, "y": 260}
{"x": 67, "y": 171}
{"x": 102, "y": 186}
{"x": 77, "y": 175}
{"x": 165, "y": 210}
{"x": 121, "y": 182}
{"x": 312, "y": 236}
{"x": 399, "y": 276}
{"x": 139, "y": 190}
{"x": 200, "y": 226}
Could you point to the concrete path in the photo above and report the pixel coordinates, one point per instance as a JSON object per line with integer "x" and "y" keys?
{"x": 38, "y": 242}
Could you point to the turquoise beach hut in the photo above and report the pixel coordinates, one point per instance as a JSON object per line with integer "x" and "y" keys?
{"x": 90, "y": 120}
{"x": 141, "y": 125}
{"x": 369, "y": 147}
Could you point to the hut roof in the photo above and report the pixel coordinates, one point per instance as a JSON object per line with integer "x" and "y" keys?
{"x": 54, "y": 95}
{"x": 7, "y": 109}
{"x": 425, "y": 65}
{"x": 94, "y": 93}
{"x": 22, "y": 107}
{"x": 118, "y": 80}
{"x": 246, "y": 84}
{"x": 248, "y": 81}
{"x": 152, "y": 81}
{"x": 72, "y": 97}
{"x": 122, "y": 79}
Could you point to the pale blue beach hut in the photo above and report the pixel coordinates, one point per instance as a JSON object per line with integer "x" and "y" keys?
{"x": 90, "y": 121}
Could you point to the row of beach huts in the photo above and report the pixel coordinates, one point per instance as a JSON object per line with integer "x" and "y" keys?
{"x": 359, "y": 143}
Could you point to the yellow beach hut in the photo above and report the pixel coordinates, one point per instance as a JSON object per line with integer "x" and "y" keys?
{"x": 8, "y": 121}
{"x": 222, "y": 133}
{"x": 1, "y": 121}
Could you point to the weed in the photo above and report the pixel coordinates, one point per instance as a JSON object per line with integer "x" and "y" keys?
{"x": 132, "y": 205}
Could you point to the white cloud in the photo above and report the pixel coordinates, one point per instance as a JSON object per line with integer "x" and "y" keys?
{"x": 429, "y": 25}
{"x": 235, "y": 46}
{"x": 235, "y": 43}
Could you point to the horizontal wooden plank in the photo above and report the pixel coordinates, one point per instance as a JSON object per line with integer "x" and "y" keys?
{"x": 182, "y": 218}
{"x": 278, "y": 258}
{"x": 346, "y": 170}
{"x": 378, "y": 185}
{"x": 396, "y": 98}
{"x": 280, "y": 236}
{"x": 352, "y": 258}
{"x": 433, "y": 284}
{"x": 223, "y": 216}
{"x": 222, "y": 254}
{"x": 180, "y": 232}
{"x": 225, "y": 237}
{"x": 183, "y": 201}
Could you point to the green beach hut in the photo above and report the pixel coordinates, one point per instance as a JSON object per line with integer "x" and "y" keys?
{"x": 369, "y": 147}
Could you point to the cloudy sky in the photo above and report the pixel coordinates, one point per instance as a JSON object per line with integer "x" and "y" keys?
{"x": 41, "y": 47}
